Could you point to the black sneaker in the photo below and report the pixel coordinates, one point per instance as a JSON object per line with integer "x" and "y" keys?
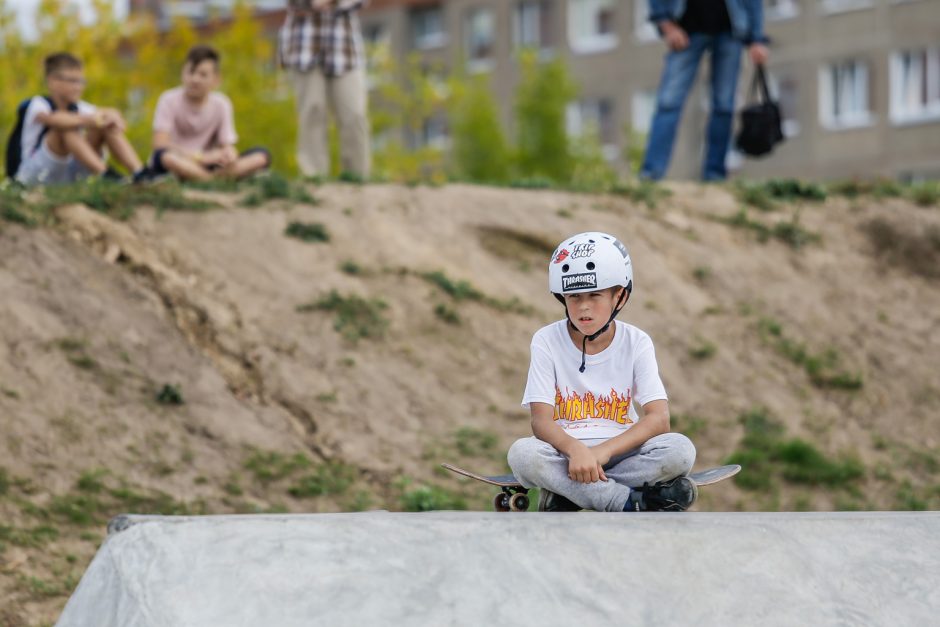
{"x": 551, "y": 502}
{"x": 146, "y": 175}
{"x": 676, "y": 495}
{"x": 113, "y": 176}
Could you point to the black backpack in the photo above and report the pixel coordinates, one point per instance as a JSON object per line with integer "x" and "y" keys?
{"x": 15, "y": 141}
{"x": 761, "y": 127}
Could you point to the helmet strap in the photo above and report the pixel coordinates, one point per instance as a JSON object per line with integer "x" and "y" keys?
{"x": 596, "y": 334}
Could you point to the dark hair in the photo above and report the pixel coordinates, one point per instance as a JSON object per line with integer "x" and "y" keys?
{"x": 201, "y": 52}
{"x": 61, "y": 61}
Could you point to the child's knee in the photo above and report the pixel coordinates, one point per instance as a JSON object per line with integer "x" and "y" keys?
{"x": 681, "y": 456}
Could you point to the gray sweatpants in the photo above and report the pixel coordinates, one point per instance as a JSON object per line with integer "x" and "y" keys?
{"x": 539, "y": 464}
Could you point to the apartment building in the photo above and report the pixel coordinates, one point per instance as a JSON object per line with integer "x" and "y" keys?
{"x": 858, "y": 80}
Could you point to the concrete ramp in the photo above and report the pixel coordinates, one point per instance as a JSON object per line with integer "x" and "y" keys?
{"x": 460, "y": 568}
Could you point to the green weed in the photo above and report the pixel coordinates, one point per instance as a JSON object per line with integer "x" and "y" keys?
{"x": 356, "y": 317}
{"x": 120, "y": 201}
{"x": 703, "y": 349}
{"x": 473, "y": 442}
{"x": 765, "y": 453}
{"x": 276, "y": 187}
{"x": 789, "y": 231}
{"x": 4, "y": 481}
{"x": 447, "y": 314}
{"x": 648, "y": 193}
{"x": 307, "y": 232}
{"x": 688, "y": 425}
{"x": 269, "y": 466}
{"x": 464, "y": 290}
{"x": 170, "y": 394}
{"x": 351, "y": 268}
{"x": 926, "y": 194}
{"x": 822, "y": 368}
{"x": 426, "y": 498}
{"x": 328, "y": 478}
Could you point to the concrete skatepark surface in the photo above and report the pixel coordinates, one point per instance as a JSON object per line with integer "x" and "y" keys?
{"x": 474, "y": 568}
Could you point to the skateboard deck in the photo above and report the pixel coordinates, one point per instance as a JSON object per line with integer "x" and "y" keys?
{"x": 513, "y": 496}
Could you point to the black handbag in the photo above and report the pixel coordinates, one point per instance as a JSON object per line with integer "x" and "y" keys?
{"x": 761, "y": 127}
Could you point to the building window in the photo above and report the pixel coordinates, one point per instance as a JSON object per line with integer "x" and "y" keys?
{"x": 781, "y": 9}
{"x": 839, "y": 6}
{"x": 642, "y": 108}
{"x": 643, "y": 29}
{"x": 915, "y": 85}
{"x": 478, "y": 39}
{"x": 427, "y": 28}
{"x": 532, "y": 24}
{"x": 594, "y": 116}
{"x": 783, "y": 89}
{"x": 844, "y": 95}
{"x": 591, "y": 25}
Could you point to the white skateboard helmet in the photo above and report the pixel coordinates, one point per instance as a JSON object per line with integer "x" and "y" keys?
{"x": 588, "y": 262}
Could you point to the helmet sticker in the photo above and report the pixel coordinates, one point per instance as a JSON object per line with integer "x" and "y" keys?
{"x": 582, "y": 250}
{"x": 579, "y": 281}
{"x": 621, "y": 248}
{"x": 561, "y": 256}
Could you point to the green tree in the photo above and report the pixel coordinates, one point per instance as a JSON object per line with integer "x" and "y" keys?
{"x": 541, "y": 99}
{"x": 479, "y": 146}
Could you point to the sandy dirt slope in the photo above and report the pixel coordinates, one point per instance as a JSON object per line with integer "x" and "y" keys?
{"x": 97, "y": 315}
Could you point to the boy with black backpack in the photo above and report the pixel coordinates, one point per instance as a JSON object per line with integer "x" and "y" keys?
{"x": 59, "y": 138}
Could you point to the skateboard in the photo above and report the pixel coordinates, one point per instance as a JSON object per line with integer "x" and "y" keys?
{"x": 513, "y": 497}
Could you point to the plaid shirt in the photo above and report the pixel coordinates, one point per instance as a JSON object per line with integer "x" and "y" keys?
{"x": 330, "y": 38}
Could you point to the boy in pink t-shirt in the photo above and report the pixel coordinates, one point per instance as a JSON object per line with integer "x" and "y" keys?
{"x": 194, "y": 128}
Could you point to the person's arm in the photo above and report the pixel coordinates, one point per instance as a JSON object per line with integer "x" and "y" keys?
{"x": 756, "y": 41}
{"x": 582, "y": 465}
{"x": 67, "y": 120}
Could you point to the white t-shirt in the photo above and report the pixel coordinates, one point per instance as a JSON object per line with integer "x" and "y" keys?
{"x": 597, "y": 403}
{"x": 29, "y": 140}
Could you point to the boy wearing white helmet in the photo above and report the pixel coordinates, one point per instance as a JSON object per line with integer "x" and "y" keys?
{"x": 590, "y": 448}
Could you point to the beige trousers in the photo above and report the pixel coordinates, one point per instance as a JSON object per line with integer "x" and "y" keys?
{"x": 346, "y": 97}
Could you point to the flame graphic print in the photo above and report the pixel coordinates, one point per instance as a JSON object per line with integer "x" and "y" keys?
{"x": 573, "y": 407}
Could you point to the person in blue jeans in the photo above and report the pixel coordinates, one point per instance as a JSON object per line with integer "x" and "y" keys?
{"x": 691, "y": 28}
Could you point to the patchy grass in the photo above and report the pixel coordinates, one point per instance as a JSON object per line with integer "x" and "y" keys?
{"x": 926, "y": 194}
{"x": 823, "y": 368}
{"x": 464, "y": 290}
{"x": 120, "y": 201}
{"x": 689, "y": 425}
{"x": 270, "y": 466}
{"x": 787, "y": 231}
{"x": 356, "y": 317}
{"x": 765, "y": 195}
{"x": 915, "y": 250}
{"x": 170, "y": 394}
{"x": 766, "y": 455}
{"x": 447, "y": 314}
{"x": 648, "y": 193}
{"x": 276, "y": 187}
{"x": 472, "y": 442}
{"x": 307, "y": 231}
{"x": 702, "y": 349}
{"x": 426, "y": 498}
{"x": 328, "y": 478}
{"x": 351, "y": 268}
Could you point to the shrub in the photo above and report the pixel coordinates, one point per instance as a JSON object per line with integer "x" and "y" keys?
{"x": 542, "y": 97}
{"x": 480, "y": 152}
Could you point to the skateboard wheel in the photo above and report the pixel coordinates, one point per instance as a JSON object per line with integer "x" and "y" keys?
{"x": 519, "y": 502}
{"x": 501, "y": 502}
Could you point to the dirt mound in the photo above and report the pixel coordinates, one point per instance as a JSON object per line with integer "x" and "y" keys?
{"x": 208, "y": 362}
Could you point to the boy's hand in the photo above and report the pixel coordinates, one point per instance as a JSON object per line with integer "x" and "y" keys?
{"x": 110, "y": 118}
{"x": 583, "y": 466}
